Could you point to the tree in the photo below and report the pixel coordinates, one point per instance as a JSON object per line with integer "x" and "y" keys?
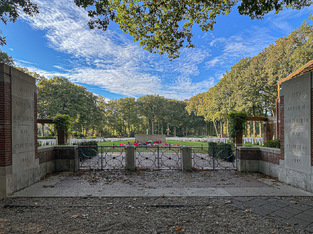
{"x": 5, "y": 58}
{"x": 9, "y": 11}
{"x": 152, "y": 108}
{"x": 251, "y": 84}
{"x": 165, "y": 26}
{"x": 60, "y": 96}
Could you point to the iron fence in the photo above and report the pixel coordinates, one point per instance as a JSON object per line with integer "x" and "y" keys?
{"x": 214, "y": 157}
{"x": 157, "y": 157}
{"x": 102, "y": 157}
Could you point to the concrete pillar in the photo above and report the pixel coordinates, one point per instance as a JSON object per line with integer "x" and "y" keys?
{"x": 186, "y": 161}
{"x": 19, "y": 165}
{"x": 130, "y": 158}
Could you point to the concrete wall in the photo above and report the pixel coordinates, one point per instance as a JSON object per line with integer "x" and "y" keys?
{"x": 57, "y": 159}
{"x": 21, "y": 164}
{"x": 268, "y": 161}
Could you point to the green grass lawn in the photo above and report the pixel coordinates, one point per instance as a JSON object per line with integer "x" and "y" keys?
{"x": 186, "y": 143}
{"x": 250, "y": 144}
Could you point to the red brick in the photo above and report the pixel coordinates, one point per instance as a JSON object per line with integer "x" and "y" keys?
{"x": 281, "y": 128}
{"x": 5, "y": 123}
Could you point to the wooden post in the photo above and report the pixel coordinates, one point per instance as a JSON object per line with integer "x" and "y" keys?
{"x": 268, "y": 131}
{"x": 62, "y": 137}
{"x": 238, "y": 140}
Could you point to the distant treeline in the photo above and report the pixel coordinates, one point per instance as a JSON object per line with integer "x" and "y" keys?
{"x": 92, "y": 115}
{"x": 251, "y": 84}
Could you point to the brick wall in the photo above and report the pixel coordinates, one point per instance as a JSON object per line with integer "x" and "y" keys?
{"x": 5, "y": 124}
{"x": 265, "y": 154}
{"x": 249, "y": 153}
{"x": 35, "y": 124}
{"x": 45, "y": 155}
{"x": 277, "y": 125}
{"x": 281, "y": 128}
{"x": 269, "y": 155}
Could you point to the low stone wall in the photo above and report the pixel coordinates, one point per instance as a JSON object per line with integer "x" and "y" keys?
{"x": 268, "y": 161}
{"x": 57, "y": 159}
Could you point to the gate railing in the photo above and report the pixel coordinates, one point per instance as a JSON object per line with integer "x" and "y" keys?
{"x": 101, "y": 157}
{"x": 157, "y": 157}
{"x": 214, "y": 157}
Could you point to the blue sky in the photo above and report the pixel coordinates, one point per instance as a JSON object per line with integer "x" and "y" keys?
{"x": 58, "y": 42}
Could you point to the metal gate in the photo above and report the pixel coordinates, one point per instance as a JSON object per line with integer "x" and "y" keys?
{"x": 157, "y": 157}
{"x": 101, "y": 157}
{"x": 214, "y": 157}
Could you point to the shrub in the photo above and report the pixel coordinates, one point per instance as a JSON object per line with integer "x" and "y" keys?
{"x": 222, "y": 150}
{"x": 63, "y": 122}
{"x": 236, "y": 123}
{"x": 87, "y": 152}
{"x": 272, "y": 143}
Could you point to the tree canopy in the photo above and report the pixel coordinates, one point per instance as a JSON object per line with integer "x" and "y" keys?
{"x": 5, "y": 58}
{"x": 165, "y": 26}
{"x": 9, "y": 11}
{"x": 251, "y": 84}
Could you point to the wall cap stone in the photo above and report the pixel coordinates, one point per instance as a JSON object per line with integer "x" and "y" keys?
{"x": 45, "y": 147}
{"x": 5, "y": 69}
{"x": 263, "y": 149}
{"x": 65, "y": 146}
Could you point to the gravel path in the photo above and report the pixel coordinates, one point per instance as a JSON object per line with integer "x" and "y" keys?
{"x": 137, "y": 215}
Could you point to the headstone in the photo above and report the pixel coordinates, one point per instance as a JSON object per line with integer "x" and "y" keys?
{"x": 296, "y": 119}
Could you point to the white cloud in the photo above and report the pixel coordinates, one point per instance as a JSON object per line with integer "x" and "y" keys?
{"x": 109, "y": 59}
{"x": 115, "y": 63}
{"x": 284, "y": 19}
{"x": 213, "y": 62}
{"x": 244, "y": 44}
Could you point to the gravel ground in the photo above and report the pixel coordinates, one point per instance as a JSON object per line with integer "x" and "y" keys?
{"x": 136, "y": 215}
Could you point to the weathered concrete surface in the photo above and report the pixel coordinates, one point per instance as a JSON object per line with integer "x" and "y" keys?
{"x": 159, "y": 183}
{"x": 297, "y": 123}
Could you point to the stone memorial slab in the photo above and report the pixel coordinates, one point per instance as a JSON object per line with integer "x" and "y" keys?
{"x": 297, "y": 122}
{"x": 143, "y": 138}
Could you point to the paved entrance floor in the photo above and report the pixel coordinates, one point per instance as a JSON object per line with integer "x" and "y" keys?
{"x": 159, "y": 183}
{"x": 227, "y": 201}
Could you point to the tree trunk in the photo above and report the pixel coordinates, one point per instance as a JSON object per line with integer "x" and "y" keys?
{"x": 221, "y": 127}
{"x": 43, "y": 129}
{"x": 215, "y": 127}
{"x": 260, "y": 129}
{"x": 174, "y": 131}
{"x": 227, "y": 130}
{"x": 152, "y": 128}
{"x": 254, "y": 130}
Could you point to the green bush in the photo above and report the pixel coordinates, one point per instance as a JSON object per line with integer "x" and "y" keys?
{"x": 272, "y": 143}
{"x": 222, "y": 150}
{"x": 87, "y": 152}
{"x": 63, "y": 122}
{"x": 236, "y": 124}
